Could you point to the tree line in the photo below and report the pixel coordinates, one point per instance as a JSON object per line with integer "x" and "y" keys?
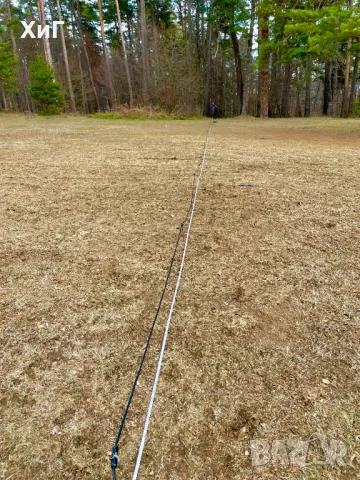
{"x": 276, "y": 58}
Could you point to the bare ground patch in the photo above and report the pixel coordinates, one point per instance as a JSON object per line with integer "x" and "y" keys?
{"x": 268, "y": 307}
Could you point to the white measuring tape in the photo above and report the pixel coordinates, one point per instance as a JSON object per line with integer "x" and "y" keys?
{"x": 161, "y": 356}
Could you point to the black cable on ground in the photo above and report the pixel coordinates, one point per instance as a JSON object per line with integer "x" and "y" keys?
{"x": 114, "y": 453}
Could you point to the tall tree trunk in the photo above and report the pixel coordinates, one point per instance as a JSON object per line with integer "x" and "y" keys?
{"x": 344, "y": 103}
{"x": 245, "y": 90}
{"x": 16, "y": 54}
{"x": 251, "y": 28}
{"x": 122, "y": 42}
{"x": 144, "y": 51}
{"x": 11, "y": 31}
{"x": 239, "y": 79}
{"x": 298, "y": 112}
{"x": 189, "y": 30}
{"x": 155, "y": 39}
{"x": 130, "y": 35}
{"x": 66, "y": 61}
{"x": 106, "y": 56}
{"x": 207, "y": 70}
{"x": 197, "y": 33}
{"x": 264, "y": 64}
{"x": 286, "y": 91}
{"x": 308, "y": 87}
{"x": 353, "y": 83}
{"x": 84, "y": 48}
{"x": 46, "y": 43}
{"x": 83, "y": 91}
{"x": 222, "y": 97}
{"x": 4, "y": 101}
{"x": 327, "y": 84}
{"x": 332, "y": 110}
{"x": 249, "y": 74}
{"x": 273, "y": 100}
{"x": 76, "y": 47}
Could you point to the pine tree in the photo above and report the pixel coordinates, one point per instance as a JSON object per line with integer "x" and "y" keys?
{"x": 8, "y": 72}
{"x": 44, "y": 91}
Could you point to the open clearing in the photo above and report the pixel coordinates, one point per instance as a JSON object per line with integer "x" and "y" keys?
{"x": 264, "y": 341}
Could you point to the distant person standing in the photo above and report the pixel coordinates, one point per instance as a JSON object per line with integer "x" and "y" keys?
{"x": 213, "y": 108}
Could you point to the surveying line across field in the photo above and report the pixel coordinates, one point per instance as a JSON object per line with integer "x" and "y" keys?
{"x": 115, "y": 450}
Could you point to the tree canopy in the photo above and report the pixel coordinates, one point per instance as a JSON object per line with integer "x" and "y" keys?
{"x": 257, "y": 57}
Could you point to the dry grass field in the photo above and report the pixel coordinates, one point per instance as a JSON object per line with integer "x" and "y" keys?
{"x": 264, "y": 341}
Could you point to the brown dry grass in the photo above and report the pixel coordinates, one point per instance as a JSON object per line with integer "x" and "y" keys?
{"x": 267, "y": 309}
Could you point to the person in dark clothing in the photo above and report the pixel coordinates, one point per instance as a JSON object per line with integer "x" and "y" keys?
{"x": 213, "y": 108}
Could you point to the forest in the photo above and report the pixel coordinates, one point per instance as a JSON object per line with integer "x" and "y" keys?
{"x": 280, "y": 58}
